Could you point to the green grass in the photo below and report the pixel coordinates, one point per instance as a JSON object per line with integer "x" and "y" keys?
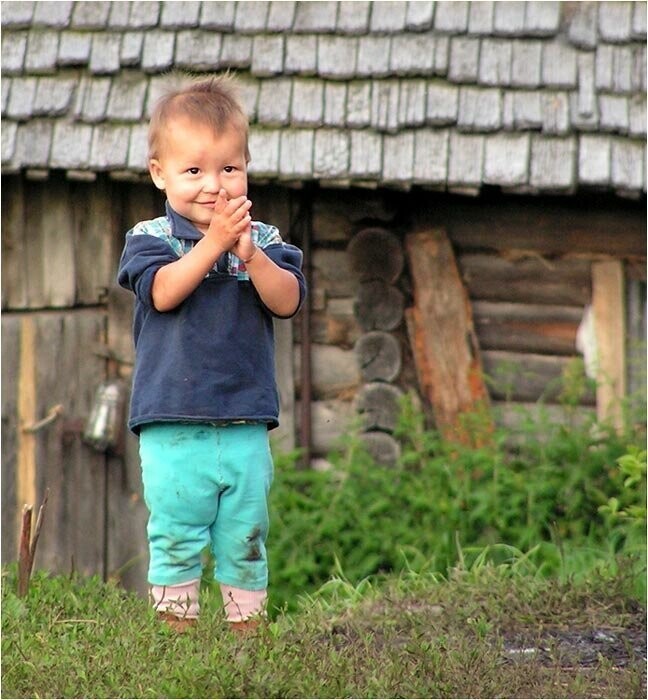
{"x": 414, "y": 635}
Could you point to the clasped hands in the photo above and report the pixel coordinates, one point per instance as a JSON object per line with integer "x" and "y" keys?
{"x": 231, "y": 225}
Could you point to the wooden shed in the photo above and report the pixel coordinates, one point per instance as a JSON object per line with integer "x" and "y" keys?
{"x": 467, "y": 180}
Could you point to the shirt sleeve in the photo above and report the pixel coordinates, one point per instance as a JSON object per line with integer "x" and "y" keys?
{"x": 142, "y": 257}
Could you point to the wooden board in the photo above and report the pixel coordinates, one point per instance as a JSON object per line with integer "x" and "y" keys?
{"x": 441, "y": 332}
{"x": 542, "y": 329}
{"x": 529, "y": 279}
{"x": 516, "y": 376}
{"x": 57, "y": 353}
{"x": 608, "y": 306}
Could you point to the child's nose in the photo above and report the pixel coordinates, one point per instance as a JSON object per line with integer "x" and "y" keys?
{"x": 211, "y": 183}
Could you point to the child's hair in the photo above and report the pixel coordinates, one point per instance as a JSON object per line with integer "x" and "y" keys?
{"x": 212, "y": 102}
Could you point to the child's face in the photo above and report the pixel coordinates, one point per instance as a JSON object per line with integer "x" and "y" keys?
{"x": 195, "y": 164}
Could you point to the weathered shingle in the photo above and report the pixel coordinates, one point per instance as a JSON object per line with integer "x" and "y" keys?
{"x": 104, "y": 54}
{"x": 506, "y": 159}
{"x": 442, "y": 103}
{"x": 615, "y": 21}
{"x": 127, "y": 96}
{"x": 637, "y": 115}
{"x": 509, "y": 18}
{"x": 398, "y": 158}
{"x": 639, "y": 21}
{"x": 17, "y": 14}
{"x": 8, "y": 135}
{"x": 273, "y": 108}
{"x": 388, "y": 16}
{"x": 465, "y": 160}
{"x": 119, "y": 14}
{"x": 315, "y": 16}
{"x": 586, "y": 120}
{"x": 353, "y": 17}
{"x": 480, "y": 17}
{"x": 51, "y": 14}
{"x": 249, "y": 89}
{"x": 42, "y": 49}
{"x": 90, "y": 15}
{"x": 301, "y": 54}
{"x": 495, "y": 62}
{"x": 431, "y": 156}
{"x": 53, "y": 96}
{"x": 412, "y": 54}
{"x": 604, "y": 67}
{"x": 622, "y": 68}
{"x": 464, "y": 59}
{"x": 582, "y": 27}
{"x": 336, "y": 56}
{"x": 197, "y": 50}
{"x": 594, "y": 159}
{"x": 441, "y": 54}
{"x": 555, "y": 113}
{"x": 109, "y": 148}
{"x": 307, "y": 102}
{"x": 138, "y": 147}
{"x": 21, "y": 98}
{"x": 335, "y": 95}
{"x": 71, "y": 146}
{"x": 281, "y": 16}
{"x": 14, "y": 47}
{"x": 180, "y": 13}
{"x": 558, "y": 65}
{"x": 331, "y": 154}
{"x": 251, "y": 16}
{"x": 527, "y": 109}
{"x": 384, "y": 105}
{"x": 92, "y": 99}
{"x": 586, "y": 104}
{"x": 628, "y": 164}
{"x": 359, "y": 104}
{"x": 525, "y": 66}
{"x": 366, "y": 155}
{"x": 412, "y": 107}
{"x": 157, "y": 54}
{"x": 613, "y": 112}
{"x": 419, "y": 15}
{"x": 638, "y": 73}
{"x": 74, "y": 48}
{"x": 130, "y": 52}
{"x": 264, "y": 149}
{"x": 296, "y": 153}
{"x": 218, "y": 14}
{"x": 553, "y": 162}
{"x": 267, "y": 55}
{"x": 5, "y": 86}
{"x": 451, "y": 17}
{"x": 236, "y": 51}
{"x": 541, "y": 18}
{"x": 33, "y": 144}
{"x": 480, "y": 109}
{"x": 373, "y": 56}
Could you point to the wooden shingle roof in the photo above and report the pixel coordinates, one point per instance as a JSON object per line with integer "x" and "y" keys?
{"x": 528, "y": 96}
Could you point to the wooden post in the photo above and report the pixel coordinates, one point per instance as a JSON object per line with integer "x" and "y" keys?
{"x": 26, "y": 457}
{"x": 442, "y": 336}
{"x": 609, "y": 324}
{"x": 28, "y": 544}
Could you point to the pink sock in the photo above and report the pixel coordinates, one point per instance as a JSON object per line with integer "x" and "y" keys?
{"x": 241, "y": 604}
{"x": 180, "y": 600}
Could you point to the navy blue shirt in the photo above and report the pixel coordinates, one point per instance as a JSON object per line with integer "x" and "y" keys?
{"x": 210, "y": 359}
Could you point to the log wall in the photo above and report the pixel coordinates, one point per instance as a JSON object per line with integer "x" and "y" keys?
{"x": 526, "y": 265}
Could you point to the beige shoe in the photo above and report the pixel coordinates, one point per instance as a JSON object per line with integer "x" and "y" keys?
{"x": 177, "y": 624}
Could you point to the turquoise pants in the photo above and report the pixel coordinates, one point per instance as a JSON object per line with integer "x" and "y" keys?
{"x": 207, "y": 485}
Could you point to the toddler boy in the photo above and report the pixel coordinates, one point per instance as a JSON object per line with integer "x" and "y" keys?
{"x": 207, "y": 282}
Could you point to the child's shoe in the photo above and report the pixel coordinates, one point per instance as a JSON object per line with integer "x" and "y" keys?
{"x": 177, "y": 624}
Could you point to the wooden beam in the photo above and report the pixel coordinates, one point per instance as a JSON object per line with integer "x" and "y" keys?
{"x": 609, "y": 323}
{"x": 26, "y": 461}
{"x": 442, "y": 335}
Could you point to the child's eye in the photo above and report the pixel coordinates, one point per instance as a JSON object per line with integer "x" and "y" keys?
{"x": 193, "y": 171}
{"x": 229, "y": 168}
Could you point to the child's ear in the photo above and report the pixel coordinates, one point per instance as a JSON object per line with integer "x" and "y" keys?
{"x": 157, "y": 174}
